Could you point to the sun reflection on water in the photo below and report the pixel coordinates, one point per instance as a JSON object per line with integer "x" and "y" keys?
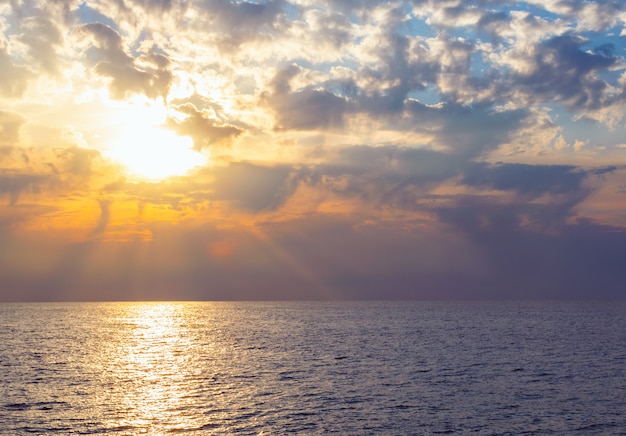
{"x": 157, "y": 364}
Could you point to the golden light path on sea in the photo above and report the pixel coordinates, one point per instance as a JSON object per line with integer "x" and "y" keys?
{"x": 158, "y": 365}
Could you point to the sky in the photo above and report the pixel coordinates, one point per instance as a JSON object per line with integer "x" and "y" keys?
{"x": 299, "y": 149}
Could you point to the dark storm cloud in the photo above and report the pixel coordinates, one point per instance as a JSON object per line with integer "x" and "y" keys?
{"x": 148, "y": 74}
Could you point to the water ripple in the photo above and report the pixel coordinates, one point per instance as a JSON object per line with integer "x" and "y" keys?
{"x": 312, "y": 368}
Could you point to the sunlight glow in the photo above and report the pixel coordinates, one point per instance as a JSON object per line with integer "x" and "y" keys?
{"x": 154, "y": 153}
{"x": 151, "y": 353}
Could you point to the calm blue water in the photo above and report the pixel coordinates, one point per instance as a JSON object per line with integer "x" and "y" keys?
{"x": 312, "y": 368}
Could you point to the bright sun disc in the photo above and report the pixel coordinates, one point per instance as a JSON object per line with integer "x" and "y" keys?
{"x": 154, "y": 153}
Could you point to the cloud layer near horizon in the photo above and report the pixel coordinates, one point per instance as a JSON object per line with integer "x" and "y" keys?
{"x": 346, "y": 149}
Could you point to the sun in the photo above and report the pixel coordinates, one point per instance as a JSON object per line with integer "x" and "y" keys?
{"x": 153, "y": 153}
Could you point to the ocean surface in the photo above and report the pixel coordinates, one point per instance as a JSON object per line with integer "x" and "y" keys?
{"x": 313, "y": 368}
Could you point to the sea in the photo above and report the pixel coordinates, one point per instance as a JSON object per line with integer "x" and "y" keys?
{"x": 313, "y": 368}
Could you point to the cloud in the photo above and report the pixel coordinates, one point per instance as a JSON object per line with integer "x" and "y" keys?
{"x": 14, "y": 185}
{"x": 468, "y": 129}
{"x": 147, "y": 74}
{"x": 407, "y": 179}
{"x": 328, "y": 29}
{"x": 325, "y": 257}
{"x": 10, "y": 125}
{"x": 563, "y": 71}
{"x": 78, "y": 161}
{"x": 33, "y": 43}
{"x": 13, "y": 78}
{"x": 254, "y": 188}
{"x": 43, "y": 39}
{"x": 239, "y": 22}
{"x": 103, "y": 220}
{"x": 306, "y": 108}
{"x": 203, "y": 127}
{"x": 577, "y": 260}
{"x": 358, "y": 149}
{"x": 531, "y": 180}
{"x": 593, "y": 15}
{"x": 44, "y": 176}
{"x": 385, "y": 175}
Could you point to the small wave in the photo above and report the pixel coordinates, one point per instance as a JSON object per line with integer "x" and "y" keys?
{"x": 17, "y": 406}
{"x": 595, "y": 426}
{"x": 404, "y": 406}
{"x": 209, "y": 426}
{"x": 46, "y": 405}
{"x": 117, "y": 429}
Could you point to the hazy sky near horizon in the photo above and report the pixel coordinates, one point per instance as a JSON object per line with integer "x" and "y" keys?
{"x": 297, "y": 149}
